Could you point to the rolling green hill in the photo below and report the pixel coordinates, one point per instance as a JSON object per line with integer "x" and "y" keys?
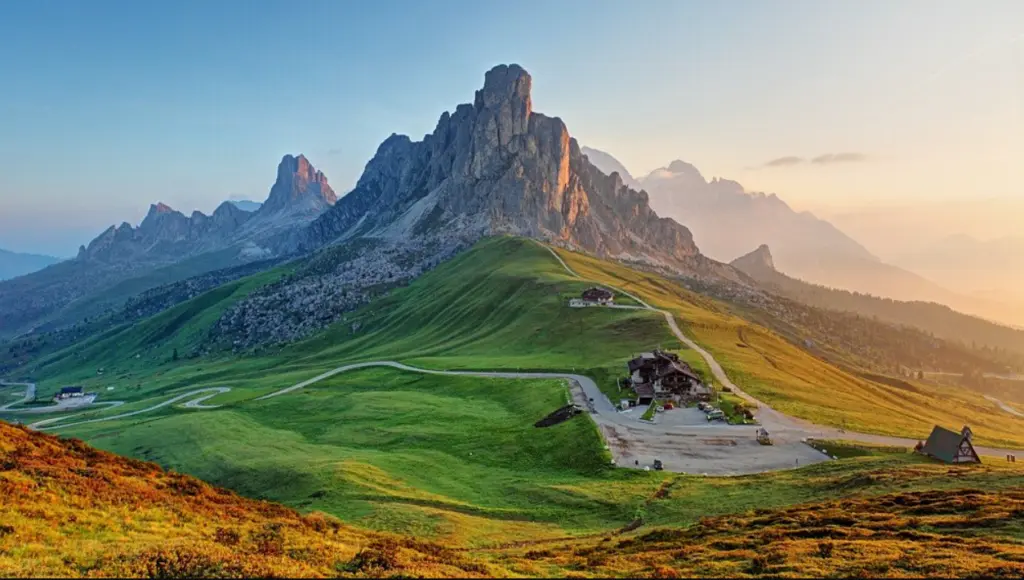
{"x": 456, "y": 459}
{"x": 501, "y": 305}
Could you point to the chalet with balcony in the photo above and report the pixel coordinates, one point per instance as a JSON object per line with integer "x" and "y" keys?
{"x": 661, "y": 375}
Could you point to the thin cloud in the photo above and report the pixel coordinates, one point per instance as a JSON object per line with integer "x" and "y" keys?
{"x": 785, "y": 161}
{"x": 334, "y": 151}
{"x": 829, "y": 158}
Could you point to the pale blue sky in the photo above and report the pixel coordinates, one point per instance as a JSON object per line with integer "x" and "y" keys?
{"x": 106, "y": 107}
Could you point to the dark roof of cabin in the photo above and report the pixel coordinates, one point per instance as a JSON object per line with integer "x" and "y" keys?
{"x": 599, "y": 292}
{"x": 642, "y": 361}
{"x": 65, "y": 390}
{"x": 943, "y": 444}
{"x": 677, "y": 368}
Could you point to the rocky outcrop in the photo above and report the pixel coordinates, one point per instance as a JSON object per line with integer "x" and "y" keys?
{"x": 320, "y": 291}
{"x": 300, "y": 189}
{"x": 496, "y": 166}
{"x": 755, "y": 263}
{"x": 166, "y": 235}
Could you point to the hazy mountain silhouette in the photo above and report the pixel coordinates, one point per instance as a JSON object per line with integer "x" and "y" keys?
{"x": 727, "y": 221}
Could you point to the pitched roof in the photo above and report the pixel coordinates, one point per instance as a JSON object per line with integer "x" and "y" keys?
{"x": 71, "y": 390}
{"x": 678, "y": 368}
{"x": 644, "y": 390}
{"x": 597, "y": 293}
{"x": 943, "y": 444}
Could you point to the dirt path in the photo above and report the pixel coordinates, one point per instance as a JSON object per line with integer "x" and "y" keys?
{"x": 1005, "y": 407}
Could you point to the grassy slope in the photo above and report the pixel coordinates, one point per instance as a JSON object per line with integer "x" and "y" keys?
{"x": 69, "y": 510}
{"x": 154, "y": 340}
{"x": 115, "y": 295}
{"x": 393, "y": 450}
{"x": 361, "y": 445}
{"x": 970, "y": 533}
{"x": 799, "y": 384}
{"x": 500, "y": 306}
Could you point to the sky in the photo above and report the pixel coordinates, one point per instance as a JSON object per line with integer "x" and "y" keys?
{"x": 837, "y": 106}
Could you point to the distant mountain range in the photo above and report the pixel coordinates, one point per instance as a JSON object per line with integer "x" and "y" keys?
{"x": 727, "y": 221}
{"x": 13, "y": 264}
{"x": 167, "y": 246}
{"x": 937, "y": 319}
{"x": 246, "y": 204}
{"x": 981, "y": 266}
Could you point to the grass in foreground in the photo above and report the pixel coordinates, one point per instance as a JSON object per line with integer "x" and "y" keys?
{"x": 909, "y": 534}
{"x": 67, "y": 509}
{"x": 429, "y": 455}
{"x": 457, "y": 459}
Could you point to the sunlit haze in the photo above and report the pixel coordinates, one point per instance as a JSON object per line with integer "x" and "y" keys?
{"x": 194, "y": 103}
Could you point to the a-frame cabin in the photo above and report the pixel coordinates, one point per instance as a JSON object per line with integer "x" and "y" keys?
{"x": 950, "y": 446}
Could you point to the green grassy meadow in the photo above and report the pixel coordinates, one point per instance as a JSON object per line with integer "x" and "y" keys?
{"x": 458, "y": 458}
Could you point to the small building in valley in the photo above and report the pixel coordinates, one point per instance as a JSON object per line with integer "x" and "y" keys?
{"x": 950, "y": 446}
{"x": 68, "y": 393}
{"x": 662, "y": 375}
{"x": 599, "y": 296}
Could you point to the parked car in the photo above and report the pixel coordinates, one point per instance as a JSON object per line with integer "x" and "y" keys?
{"x": 716, "y": 415}
{"x": 657, "y": 465}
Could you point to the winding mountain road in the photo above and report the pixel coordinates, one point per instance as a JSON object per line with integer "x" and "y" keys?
{"x": 689, "y": 446}
{"x": 30, "y": 395}
{"x": 775, "y": 421}
{"x": 195, "y": 403}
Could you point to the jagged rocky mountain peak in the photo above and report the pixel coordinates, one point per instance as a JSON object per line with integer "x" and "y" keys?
{"x": 759, "y": 260}
{"x": 507, "y": 85}
{"x": 299, "y": 187}
{"x": 497, "y": 166}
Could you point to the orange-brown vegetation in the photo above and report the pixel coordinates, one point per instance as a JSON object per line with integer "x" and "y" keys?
{"x": 913, "y": 534}
{"x": 67, "y": 509}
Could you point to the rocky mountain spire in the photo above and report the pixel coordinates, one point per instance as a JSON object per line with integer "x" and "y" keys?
{"x": 497, "y": 166}
{"x": 299, "y": 188}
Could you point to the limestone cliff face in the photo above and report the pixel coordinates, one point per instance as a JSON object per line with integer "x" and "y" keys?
{"x": 299, "y": 187}
{"x": 497, "y": 166}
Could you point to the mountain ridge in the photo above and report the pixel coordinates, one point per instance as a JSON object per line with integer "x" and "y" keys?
{"x": 940, "y": 320}
{"x": 14, "y": 264}
{"x": 168, "y": 238}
